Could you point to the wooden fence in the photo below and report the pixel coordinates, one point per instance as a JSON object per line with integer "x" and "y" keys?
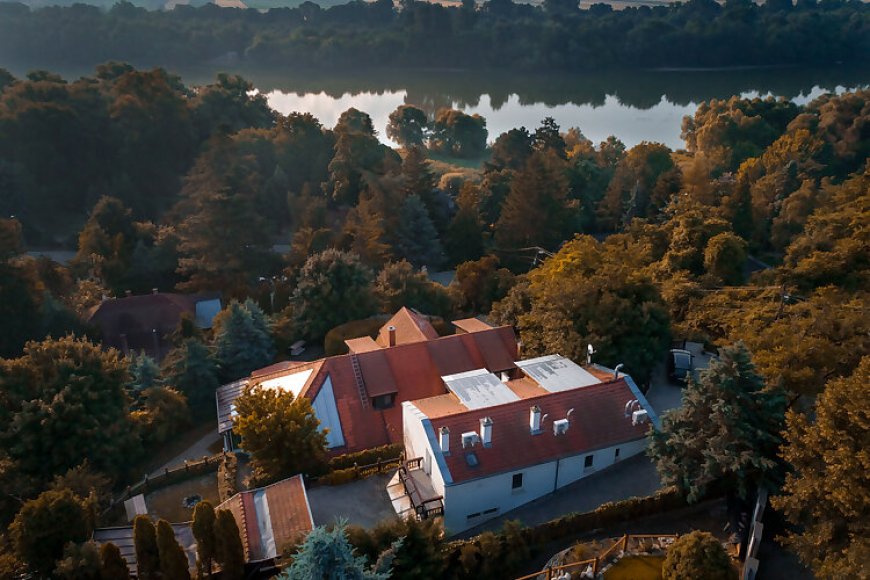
{"x": 596, "y": 564}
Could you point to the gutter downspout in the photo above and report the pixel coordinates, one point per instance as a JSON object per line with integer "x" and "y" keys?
{"x": 556, "y": 481}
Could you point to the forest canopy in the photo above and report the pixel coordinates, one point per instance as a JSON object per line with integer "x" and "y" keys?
{"x": 496, "y": 34}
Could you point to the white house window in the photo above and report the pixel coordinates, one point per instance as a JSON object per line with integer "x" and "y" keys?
{"x": 587, "y": 463}
{"x": 517, "y": 481}
{"x": 472, "y": 516}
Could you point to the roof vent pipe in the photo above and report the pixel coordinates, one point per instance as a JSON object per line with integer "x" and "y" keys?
{"x": 535, "y": 419}
{"x": 616, "y": 371}
{"x": 569, "y": 413}
{"x": 391, "y": 331}
{"x": 444, "y": 440}
{"x": 486, "y": 431}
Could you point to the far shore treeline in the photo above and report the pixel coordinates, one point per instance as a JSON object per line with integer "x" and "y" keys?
{"x": 497, "y": 34}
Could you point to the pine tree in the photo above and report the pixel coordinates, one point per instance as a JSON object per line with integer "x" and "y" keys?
{"x": 328, "y": 554}
{"x": 229, "y": 551}
{"x": 419, "y": 180}
{"x": 417, "y": 238}
{"x": 727, "y": 429}
{"x": 144, "y": 372}
{"x": 173, "y": 560}
{"x": 147, "y": 553}
{"x": 203, "y": 527}
{"x": 464, "y": 238}
{"x": 535, "y": 212}
{"x": 114, "y": 566}
{"x": 242, "y": 339}
{"x": 190, "y": 369}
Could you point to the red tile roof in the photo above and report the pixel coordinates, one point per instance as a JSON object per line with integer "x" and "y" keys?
{"x": 362, "y": 344}
{"x": 412, "y": 371}
{"x": 410, "y": 327}
{"x": 598, "y": 421}
{"x": 289, "y": 516}
{"x": 471, "y": 325}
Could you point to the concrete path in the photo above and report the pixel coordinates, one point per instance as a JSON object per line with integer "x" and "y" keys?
{"x": 363, "y": 503}
{"x": 195, "y": 451}
{"x": 634, "y": 477}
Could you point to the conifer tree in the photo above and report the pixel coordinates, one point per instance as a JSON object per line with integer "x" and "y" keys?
{"x": 464, "y": 237}
{"x": 144, "y": 372}
{"x": 229, "y": 551}
{"x": 242, "y": 339}
{"x": 419, "y": 180}
{"x": 727, "y": 429}
{"x": 173, "y": 560}
{"x": 191, "y": 369}
{"x": 147, "y": 553}
{"x": 203, "y": 527}
{"x": 328, "y": 554}
{"x": 113, "y": 564}
{"x": 417, "y": 238}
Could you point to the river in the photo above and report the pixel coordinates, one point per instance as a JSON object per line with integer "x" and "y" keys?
{"x": 634, "y": 106}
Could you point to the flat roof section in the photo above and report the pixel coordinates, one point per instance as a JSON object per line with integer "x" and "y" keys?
{"x": 479, "y": 389}
{"x": 556, "y": 373}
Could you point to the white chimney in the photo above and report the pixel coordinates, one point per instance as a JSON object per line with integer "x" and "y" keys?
{"x": 444, "y": 440}
{"x": 391, "y": 331}
{"x": 486, "y": 431}
{"x": 535, "y": 419}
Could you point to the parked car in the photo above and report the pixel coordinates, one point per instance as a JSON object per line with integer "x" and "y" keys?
{"x": 680, "y": 365}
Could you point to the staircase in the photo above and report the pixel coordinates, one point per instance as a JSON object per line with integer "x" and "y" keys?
{"x": 360, "y": 383}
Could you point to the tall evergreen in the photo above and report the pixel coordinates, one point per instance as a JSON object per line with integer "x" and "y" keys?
{"x": 203, "y": 527}
{"x": 419, "y": 180}
{"x": 417, "y": 238}
{"x": 242, "y": 340}
{"x": 113, "y": 564}
{"x": 191, "y": 369}
{"x": 147, "y": 553}
{"x": 229, "y": 551}
{"x": 173, "y": 560}
{"x": 728, "y": 429}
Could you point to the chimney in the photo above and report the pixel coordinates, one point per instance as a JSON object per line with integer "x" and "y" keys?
{"x": 535, "y": 419}
{"x": 486, "y": 431}
{"x": 519, "y": 349}
{"x": 128, "y": 293}
{"x": 444, "y": 440}
{"x": 154, "y": 291}
{"x": 391, "y": 331}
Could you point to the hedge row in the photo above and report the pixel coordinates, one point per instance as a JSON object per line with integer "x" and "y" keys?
{"x": 366, "y": 457}
{"x": 228, "y": 477}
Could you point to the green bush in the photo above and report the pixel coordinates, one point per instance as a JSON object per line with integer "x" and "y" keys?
{"x": 340, "y": 476}
{"x": 227, "y": 477}
{"x": 366, "y": 456}
{"x": 334, "y": 345}
{"x": 697, "y": 555}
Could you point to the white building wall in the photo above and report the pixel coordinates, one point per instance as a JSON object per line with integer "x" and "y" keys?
{"x": 489, "y": 497}
{"x": 418, "y": 438}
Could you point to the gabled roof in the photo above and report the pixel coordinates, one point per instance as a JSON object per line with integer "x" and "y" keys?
{"x": 410, "y": 327}
{"x": 471, "y": 325}
{"x": 362, "y": 344}
{"x": 271, "y": 517}
{"x": 597, "y": 421}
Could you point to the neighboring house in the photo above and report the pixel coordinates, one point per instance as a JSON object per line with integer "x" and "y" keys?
{"x": 357, "y": 396}
{"x": 143, "y": 323}
{"x": 271, "y": 518}
{"x": 491, "y": 444}
{"x": 123, "y": 538}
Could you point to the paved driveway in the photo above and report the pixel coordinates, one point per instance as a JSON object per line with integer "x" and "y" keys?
{"x": 634, "y": 477}
{"x": 662, "y": 394}
{"x": 364, "y": 502}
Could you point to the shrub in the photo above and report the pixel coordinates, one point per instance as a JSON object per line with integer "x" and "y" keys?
{"x": 333, "y": 344}
{"x": 697, "y": 555}
{"x": 366, "y": 456}
{"x": 340, "y": 476}
{"x": 227, "y": 476}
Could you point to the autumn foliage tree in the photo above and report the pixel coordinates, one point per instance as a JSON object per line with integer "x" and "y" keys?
{"x": 697, "y": 555}
{"x": 281, "y": 433}
{"x": 824, "y": 496}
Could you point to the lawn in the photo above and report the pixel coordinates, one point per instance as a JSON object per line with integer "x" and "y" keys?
{"x": 636, "y": 568}
{"x": 167, "y": 503}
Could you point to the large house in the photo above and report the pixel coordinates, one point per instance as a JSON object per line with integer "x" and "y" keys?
{"x": 358, "y": 396}
{"x": 491, "y": 445}
{"x": 144, "y": 323}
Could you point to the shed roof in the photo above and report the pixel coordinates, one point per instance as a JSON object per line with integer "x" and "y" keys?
{"x": 122, "y": 537}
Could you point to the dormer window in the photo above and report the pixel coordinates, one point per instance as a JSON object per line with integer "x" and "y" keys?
{"x": 384, "y": 401}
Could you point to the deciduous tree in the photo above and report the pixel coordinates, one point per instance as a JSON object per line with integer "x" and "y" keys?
{"x": 407, "y": 126}
{"x": 824, "y": 495}
{"x": 697, "y": 555}
{"x": 281, "y": 433}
